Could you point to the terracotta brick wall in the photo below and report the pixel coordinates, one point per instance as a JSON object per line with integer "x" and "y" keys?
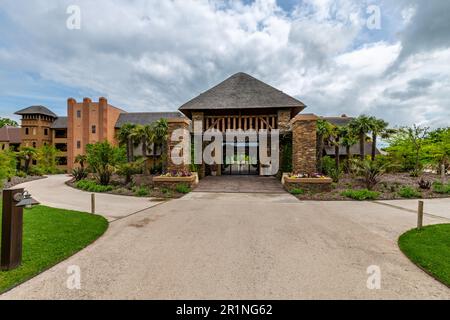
{"x": 304, "y": 144}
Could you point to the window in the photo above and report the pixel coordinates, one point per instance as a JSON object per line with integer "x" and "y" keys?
{"x": 34, "y": 144}
{"x": 27, "y": 131}
{"x": 94, "y": 129}
{"x": 34, "y": 131}
{"x": 78, "y": 144}
{"x": 78, "y": 113}
{"x": 45, "y": 132}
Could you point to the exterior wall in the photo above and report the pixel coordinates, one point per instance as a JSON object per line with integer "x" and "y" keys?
{"x": 59, "y": 142}
{"x": 37, "y": 126}
{"x": 304, "y": 144}
{"x": 82, "y": 119}
{"x": 4, "y": 145}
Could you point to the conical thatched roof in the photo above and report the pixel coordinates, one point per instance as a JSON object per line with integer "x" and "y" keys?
{"x": 242, "y": 91}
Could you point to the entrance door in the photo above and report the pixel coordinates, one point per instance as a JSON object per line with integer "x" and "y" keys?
{"x": 241, "y": 161}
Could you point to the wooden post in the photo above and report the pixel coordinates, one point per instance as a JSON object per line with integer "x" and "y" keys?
{"x": 93, "y": 203}
{"x": 12, "y": 228}
{"x": 443, "y": 173}
{"x": 420, "y": 215}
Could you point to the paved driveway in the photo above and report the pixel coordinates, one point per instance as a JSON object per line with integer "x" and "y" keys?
{"x": 53, "y": 192}
{"x": 240, "y": 184}
{"x": 245, "y": 246}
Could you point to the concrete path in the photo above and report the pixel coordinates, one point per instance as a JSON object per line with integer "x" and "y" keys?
{"x": 53, "y": 192}
{"x": 245, "y": 246}
{"x": 432, "y": 207}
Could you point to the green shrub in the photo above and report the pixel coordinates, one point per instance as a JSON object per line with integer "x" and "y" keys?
{"x": 409, "y": 193}
{"x": 361, "y": 195}
{"x": 182, "y": 188}
{"x": 167, "y": 192}
{"x": 92, "y": 186}
{"x": 141, "y": 191}
{"x": 297, "y": 191}
{"x": 79, "y": 173}
{"x": 441, "y": 188}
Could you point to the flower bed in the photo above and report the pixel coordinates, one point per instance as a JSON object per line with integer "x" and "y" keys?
{"x": 315, "y": 182}
{"x": 172, "y": 180}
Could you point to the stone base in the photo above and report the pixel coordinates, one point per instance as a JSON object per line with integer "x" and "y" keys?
{"x": 309, "y": 184}
{"x": 172, "y": 182}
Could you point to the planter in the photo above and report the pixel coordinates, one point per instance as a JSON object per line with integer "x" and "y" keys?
{"x": 172, "y": 182}
{"x": 310, "y": 184}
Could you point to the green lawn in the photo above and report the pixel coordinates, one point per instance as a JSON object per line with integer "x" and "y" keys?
{"x": 50, "y": 236}
{"x": 430, "y": 249}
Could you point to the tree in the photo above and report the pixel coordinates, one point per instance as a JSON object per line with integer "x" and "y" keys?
{"x": 348, "y": 140}
{"x": 379, "y": 129}
{"x": 128, "y": 169}
{"x": 361, "y": 126}
{"x": 103, "y": 158}
{"x": 143, "y": 134}
{"x": 8, "y": 165}
{"x": 27, "y": 154}
{"x": 81, "y": 160}
{"x": 159, "y": 137}
{"x": 337, "y": 133}
{"x": 47, "y": 159}
{"x": 324, "y": 130}
{"x": 126, "y": 137}
{"x": 371, "y": 171}
{"x": 8, "y": 122}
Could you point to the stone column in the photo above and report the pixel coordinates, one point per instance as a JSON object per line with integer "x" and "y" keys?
{"x": 175, "y": 124}
{"x": 198, "y": 122}
{"x": 284, "y": 118}
{"x": 304, "y": 143}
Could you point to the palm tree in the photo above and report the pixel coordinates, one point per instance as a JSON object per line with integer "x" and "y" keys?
{"x": 143, "y": 134}
{"x": 125, "y": 137}
{"x": 379, "y": 127}
{"x": 362, "y": 126}
{"x": 348, "y": 140}
{"x": 81, "y": 159}
{"x": 159, "y": 138}
{"x": 28, "y": 154}
{"x": 324, "y": 130}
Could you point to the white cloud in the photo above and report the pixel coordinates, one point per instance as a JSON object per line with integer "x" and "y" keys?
{"x": 155, "y": 55}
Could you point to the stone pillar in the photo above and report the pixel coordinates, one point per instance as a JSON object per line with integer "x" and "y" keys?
{"x": 304, "y": 143}
{"x": 284, "y": 118}
{"x": 175, "y": 124}
{"x": 198, "y": 122}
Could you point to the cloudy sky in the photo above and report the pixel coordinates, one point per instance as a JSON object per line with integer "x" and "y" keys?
{"x": 154, "y": 55}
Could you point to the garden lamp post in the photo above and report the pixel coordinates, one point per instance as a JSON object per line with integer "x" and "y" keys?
{"x": 14, "y": 200}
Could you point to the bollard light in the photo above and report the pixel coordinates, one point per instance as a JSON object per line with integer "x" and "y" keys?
{"x": 25, "y": 200}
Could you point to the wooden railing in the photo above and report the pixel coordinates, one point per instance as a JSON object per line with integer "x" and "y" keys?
{"x": 224, "y": 123}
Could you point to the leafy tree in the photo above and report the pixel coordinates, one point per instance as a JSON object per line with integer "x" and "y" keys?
{"x": 361, "y": 126}
{"x": 126, "y": 137}
{"x": 379, "y": 128}
{"x": 128, "y": 169}
{"x": 27, "y": 154}
{"x": 324, "y": 131}
{"x": 8, "y": 165}
{"x": 8, "y": 122}
{"x": 436, "y": 150}
{"x": 103, "y": 158}
{"x": 144, "y": 135}
{"x": 47, "y": 159}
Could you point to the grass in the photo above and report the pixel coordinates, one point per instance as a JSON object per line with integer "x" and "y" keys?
{"x": 297, "y": 191}
{"x": 92, "y": 186}
{"x": 361, "y": 195}
{"x": 430, "y": 249}
{"x": 49, "y": 237}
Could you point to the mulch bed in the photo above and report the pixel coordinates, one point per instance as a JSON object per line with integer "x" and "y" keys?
{"x": 388, "y": 187}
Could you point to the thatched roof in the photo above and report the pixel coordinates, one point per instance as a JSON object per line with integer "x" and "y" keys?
{"x": 144, "y": 118}
{"x": 339, "y": 121}
{"x": 242, "y": 91}
{"x": 37, "y": 110}
{"x": 60, "y": 123}
{"x": 354, "y": 150}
